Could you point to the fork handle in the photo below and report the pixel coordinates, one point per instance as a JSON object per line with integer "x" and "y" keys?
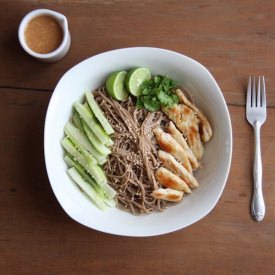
{"x": 257, "y": 204}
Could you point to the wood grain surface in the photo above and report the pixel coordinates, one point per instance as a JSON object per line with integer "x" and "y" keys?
{"x": 233, "y": 39}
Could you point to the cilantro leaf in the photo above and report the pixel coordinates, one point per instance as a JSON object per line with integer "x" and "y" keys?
{"x": 139, "y": 103}
{"x": 156, "y": 93}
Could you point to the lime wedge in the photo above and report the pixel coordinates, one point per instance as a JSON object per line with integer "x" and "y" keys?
{"x": 115, "y": 85}
{"x": 134, "y": 78}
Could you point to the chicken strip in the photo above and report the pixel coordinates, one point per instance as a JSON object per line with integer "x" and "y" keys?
{"x": 188, "y": 123}
{"x": 170, "y": 180}
{"x": 205, "y": 128}
{"x": 167, "y": 194}
{"x": 170, "y": 145}
{"x": 174, "y": 166}
{"x": 177, "y": 135}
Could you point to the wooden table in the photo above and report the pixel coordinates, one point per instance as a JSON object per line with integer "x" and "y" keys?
{"x": 233, "y": 39}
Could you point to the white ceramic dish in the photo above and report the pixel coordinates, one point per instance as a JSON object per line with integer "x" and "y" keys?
{"x": 92, "y": 73}
{"x": 58, "y": 53}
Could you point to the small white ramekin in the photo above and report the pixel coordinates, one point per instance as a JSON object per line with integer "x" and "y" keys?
{"x": 58, "y": 53}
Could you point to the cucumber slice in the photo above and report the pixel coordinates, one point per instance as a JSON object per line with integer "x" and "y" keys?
{"x": 81, "y": 141}
{"x": 109, "y": 142}
{"x": 81, "y": 157}
{"x": 98, "y": 145}
{"x": 102, "y": 161}
{"x": 101, "y": 180}
{"x": 71, "y": 163}
{"x": 87, "y": 188}
{"x": 110, "y": 202}
{"x": 98, "y": 113}
{"x": 89, "y": 118}
{"x": 76, "y": 121}
{"x": 91, "y": 167}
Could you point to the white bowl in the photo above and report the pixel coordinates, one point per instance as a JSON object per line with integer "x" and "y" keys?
{"x": 92, "y": 73}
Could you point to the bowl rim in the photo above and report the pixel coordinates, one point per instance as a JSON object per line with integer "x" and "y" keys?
{"x": 230, "y": 140}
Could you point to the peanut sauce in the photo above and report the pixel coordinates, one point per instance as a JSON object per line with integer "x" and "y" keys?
{"x": 43, "y": 34}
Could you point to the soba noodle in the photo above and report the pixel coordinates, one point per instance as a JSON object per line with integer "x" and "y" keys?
{"x": 131, "y": 165}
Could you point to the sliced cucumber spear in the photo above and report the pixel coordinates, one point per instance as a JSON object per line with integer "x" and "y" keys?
{"x": 93, "y": 169}
{"x": 98, "y": 113}
{"x": 87, "y": 188}
{"x": 82, "y": 125}
{"x": 76, "y": 120}
{"x": 101, "y": 180}
{"x": 99, "y": 146}
{"x": 109, "y": 141}
{"x": 81, "y": 157}
{"x": 89, "y": 118}
{"x": 71, "y": 163}
{"x": 81, "y": 141}
{"x": 86, "y": 141}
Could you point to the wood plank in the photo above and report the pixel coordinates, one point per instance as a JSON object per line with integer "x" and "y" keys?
{"x": 37, "y": 236}
{"x": 233, "y": 39}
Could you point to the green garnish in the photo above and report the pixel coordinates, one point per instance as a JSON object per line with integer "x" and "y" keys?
{"x": 156, "y": 93}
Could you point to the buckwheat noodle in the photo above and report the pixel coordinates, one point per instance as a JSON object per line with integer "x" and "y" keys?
{"x": 131, "y": 165}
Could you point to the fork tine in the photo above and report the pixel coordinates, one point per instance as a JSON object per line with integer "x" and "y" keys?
{"x": 258, "y": 103}
{"x": 263, "y": 93}
{"x": 253, "y": 93}
{"x": 248, "y": 96}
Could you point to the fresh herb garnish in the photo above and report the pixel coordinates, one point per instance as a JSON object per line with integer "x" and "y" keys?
{"x": 156, "y": 93}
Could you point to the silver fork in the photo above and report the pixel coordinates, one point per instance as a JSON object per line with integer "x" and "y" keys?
{"x": 256, "y": 116}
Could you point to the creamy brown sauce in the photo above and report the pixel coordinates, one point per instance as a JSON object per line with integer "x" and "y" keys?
{"x": 43, "y": 34}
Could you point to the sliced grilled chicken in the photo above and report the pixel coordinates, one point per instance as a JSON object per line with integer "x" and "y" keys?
{"x": 174, "y": 166}
{"x": 167, "y": 194}
{"x": 177, "y": 135}
{"x": 168, "y": 179}
{"x": 188, "y": 123}
{"x": 205, "y": 128}
{"x": 170, "y": 145}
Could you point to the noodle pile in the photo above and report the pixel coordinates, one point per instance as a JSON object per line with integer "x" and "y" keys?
{"x": 131, "y": 165}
